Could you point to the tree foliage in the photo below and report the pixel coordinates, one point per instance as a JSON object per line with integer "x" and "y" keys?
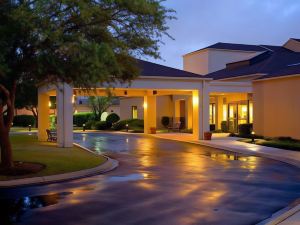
{"x": 99, "y": 105}
{"x": 82, "y": 42}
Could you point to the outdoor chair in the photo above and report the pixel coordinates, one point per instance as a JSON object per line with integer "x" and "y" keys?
{"x": 174, "y": 127}
{"x": 51, "y": 136}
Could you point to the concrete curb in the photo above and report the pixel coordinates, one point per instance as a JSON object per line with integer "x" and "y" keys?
{"x": 109, "y": 165}
{"x": 281, "y": 215}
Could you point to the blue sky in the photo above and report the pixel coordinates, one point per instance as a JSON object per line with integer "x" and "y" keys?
{"x": 203, "y": 22}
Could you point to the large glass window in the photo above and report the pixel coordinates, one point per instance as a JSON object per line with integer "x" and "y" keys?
{"x": 134, "y": 112}
{"x": 212, "y": 113}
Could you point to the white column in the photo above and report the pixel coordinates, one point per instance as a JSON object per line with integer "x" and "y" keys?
{"x": 64, "y": 95}
{"x": 200, "y": 111}
{"x": 205, "y": 107}
{"x": 189, "y": 115}
{"x": 43, "y": 115}
{"x": 149, "y": 113}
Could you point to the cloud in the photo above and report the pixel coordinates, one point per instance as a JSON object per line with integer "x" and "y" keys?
{"x": 204, "y": 22}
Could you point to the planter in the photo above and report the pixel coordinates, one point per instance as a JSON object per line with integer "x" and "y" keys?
{"x": 152, "y": 130}
{"x": 207, "y": 135}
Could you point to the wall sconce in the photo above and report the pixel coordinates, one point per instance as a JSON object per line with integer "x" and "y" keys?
{"x": 125, "y": 93}
{"x": 154, "y": 92}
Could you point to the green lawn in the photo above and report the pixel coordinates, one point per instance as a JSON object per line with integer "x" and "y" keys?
{"x": 57, "y": 160}
{"x": 22, "y": 129}
{"x": 293, "y": 145}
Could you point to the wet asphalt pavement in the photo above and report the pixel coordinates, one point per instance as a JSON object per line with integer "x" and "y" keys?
{"x": 158, "y": 182}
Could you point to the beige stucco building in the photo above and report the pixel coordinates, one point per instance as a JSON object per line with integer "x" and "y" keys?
{"x": 222, "y": 86}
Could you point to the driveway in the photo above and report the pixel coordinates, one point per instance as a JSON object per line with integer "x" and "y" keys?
{"x": 159, "y": 182}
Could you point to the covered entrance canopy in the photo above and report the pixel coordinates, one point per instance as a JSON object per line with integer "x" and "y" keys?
{"x": 156, "y": 80}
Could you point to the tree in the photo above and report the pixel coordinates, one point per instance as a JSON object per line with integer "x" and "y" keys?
{"x": 99, "y": 105}
{"x": 82, "y": 42}
{"x": 26, "y": 97}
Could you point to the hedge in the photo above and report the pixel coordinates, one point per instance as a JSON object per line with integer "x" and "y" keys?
{"x": 24, "y": 120}
{"x": 81, "y": 118}
{"x": 245, "y": 129}
{"x": 102, "y": 125}
{"x": 112, "y": 118}
{"x": 132, "y": 123}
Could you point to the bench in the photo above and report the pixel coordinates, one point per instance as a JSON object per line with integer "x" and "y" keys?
{"x": 175, "y": 127}
{"x": 51, "y": 136}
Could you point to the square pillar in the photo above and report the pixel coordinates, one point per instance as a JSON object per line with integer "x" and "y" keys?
{"x": 149, "y": 113}
{"x": 200, "y": 111}
{"x": 64, "y": 96}
{"x": 43, "y": 115}
{"x": 189, "y": 103}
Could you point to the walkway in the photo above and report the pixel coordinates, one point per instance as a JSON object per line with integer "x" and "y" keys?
{"x": 222, "y": 141}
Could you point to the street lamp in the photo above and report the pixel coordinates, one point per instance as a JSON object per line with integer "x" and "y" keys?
{"x": 127, "y": 127}
{"x": 29, "y": 127}
{"x": 83, "y": 127}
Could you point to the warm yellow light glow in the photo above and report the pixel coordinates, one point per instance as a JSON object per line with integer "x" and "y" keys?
{"x": 76, "y": 111}
{"x": 73, "y": 99}
{"x": 50, "y": 104}
{"x": 195, "y": 100}
{"x": 145, "y": 105}
{"x": 224, "y": 112}
{"x": 251, "y": 112}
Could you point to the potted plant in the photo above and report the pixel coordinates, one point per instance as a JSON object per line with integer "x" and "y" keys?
{"x": 207, "y": 135}
{"x": 152, "y": 130}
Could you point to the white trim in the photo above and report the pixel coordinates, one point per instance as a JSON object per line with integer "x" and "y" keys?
{"x": 279, "y": 77}
{"x": 173, "y": 78}
{"x": 226, "y": 50}
{"x": 243, "y": 76}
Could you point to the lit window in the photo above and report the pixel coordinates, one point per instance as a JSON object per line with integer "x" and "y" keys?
{"x": 212, "y": 113}
{"x": 134, "y": 112}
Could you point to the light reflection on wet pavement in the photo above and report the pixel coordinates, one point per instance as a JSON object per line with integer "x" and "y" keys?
{"x": 159, "y": 182}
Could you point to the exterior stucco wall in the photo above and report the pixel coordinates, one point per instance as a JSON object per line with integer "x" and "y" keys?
{"x": 277, "y": 107}
{"x": 293, "y": 45}
{"x": 126, "y": 104}
{"x": 211, "y": 60}
{"x": 164, "y": 107}
{"x": 196, "y": 62}
{"x": 219, "y": 58}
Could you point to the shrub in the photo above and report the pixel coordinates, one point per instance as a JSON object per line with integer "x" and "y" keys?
{"x": 245, "y": 129}
{"x": 81, "y": 118}
{"x": 52, "y": 122}
{"x": 224, "y": 126}
{"x": 135, "y": 124}
{"x": 90, "y": 125}
{"x": 24, "y": 120}
{"x": 102, "y": 125}
{"x": 165, "y": 121}
{"x": 112, "y": 118}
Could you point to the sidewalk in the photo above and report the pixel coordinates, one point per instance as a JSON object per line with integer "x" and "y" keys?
{"x": 288, "y": 216}
{"x": 224, "y": 142}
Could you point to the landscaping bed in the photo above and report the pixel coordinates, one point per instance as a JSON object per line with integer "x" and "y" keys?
{"x": 282, "y": 143}
{"x": 29, "y": 153}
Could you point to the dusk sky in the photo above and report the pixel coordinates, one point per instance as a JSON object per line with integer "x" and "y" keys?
{"x": 204, "y": 22}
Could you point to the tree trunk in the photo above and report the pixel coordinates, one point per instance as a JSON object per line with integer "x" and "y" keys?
{"x": 6, "y": 150}
{"x": 35, "y": 114}
{"x": 5, "y": 124}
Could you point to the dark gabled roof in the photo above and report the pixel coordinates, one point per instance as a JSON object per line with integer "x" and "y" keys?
{"x": 296, "y": 39}
{"x": 274, "y": 63}
{"x": 150, "y": 69}
{"x": 240, "y": 47}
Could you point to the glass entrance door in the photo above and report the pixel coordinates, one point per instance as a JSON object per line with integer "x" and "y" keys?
{"x": 232, "y": 117}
